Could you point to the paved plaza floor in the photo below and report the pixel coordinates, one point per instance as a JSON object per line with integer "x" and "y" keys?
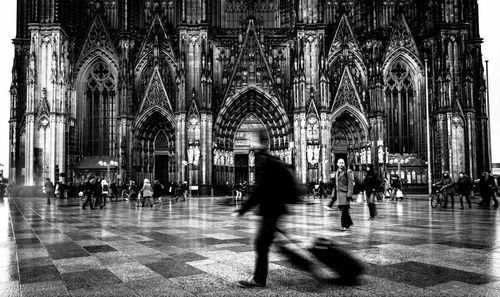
{"x": 195, "y": 248}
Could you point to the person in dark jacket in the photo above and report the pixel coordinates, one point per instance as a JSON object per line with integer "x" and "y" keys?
{"x": 490, "y": 188}
{"x": 269, "y": 198}
{"x": 157, "y": 191}
{"x": 370, "y": 184}
{"x": 49, "y": 189}
{"x": 88, "y": 191}
{"x": 395, "y": 186}
{"x": 448, "y": 186}
{"x": 343, "y": 187}
{"x": 464, "y": 187}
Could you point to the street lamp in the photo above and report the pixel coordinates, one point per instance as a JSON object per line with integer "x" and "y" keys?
{"x": 108, "y": 167}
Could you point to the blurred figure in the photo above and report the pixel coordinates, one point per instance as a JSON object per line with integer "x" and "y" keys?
{"x": 464, "y": 187}
{"x": 48, "y": 188}
{"x": 147, "y": 192}
{"x": 88, "y": 190}
{"x": 104, "y": 191}
{"x": 395, "y": 186}
{"x": 322, "y": 189}
{"x": 448, "y": 187}
{"x": 237, "y": 189}
{"x": 270, "y": 196}
{"x": 157, "y": 191}
{"x": 371, "y": 183}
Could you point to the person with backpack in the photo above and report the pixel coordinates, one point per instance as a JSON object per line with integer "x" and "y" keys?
{"x": 274, "y": 187}
{"x": 464, "y": 187}
{"x": 371, "y": 183}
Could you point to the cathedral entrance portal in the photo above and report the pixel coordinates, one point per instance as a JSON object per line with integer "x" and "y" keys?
{"x": 236, "y": 126}
{"x": 350, "y": 142}
{"x": 154, "y": 147}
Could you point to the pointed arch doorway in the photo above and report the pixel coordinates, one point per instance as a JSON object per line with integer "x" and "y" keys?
{"x": 350, "y": 140}
{"x": 163, "y": 161}
{"x": 240, "y": 116}
{"x": 154, "y": 146}
{"x": 244, "y": 158}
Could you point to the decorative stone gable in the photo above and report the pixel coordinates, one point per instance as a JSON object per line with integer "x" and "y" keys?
{"x": 156, "y": 94}
{"x": 346, "y": 93}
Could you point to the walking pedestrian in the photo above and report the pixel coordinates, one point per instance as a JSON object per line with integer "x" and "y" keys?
{"x": 147, "y": 192}
{"x": 343, "y": 188}
{"x": 492, "y": 189}
{"x": 448, "y": 186}
{"x": 88, "y": 190}
{"x": 464, "y": 187}
{"x": 395, "y": 186}
{"x": 271, "y": 191}
{"x": 48, "y": 187}
{"x": 371, "y": 183}
{"x": 157, "y": 191}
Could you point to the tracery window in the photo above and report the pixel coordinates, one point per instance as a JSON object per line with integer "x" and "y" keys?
{"x": 101, "y": 111}
{"x": 401, "y": 108}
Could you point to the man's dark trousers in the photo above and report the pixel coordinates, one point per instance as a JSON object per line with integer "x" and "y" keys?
{"x": 263, "y": 240}
{"x": 48, "y": 194}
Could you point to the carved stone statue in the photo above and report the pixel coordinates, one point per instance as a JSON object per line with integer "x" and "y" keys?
{"x": 380, "y": 154}
{"x": 251, "y": 159}
{"x": 196, "y": 155}
{"x": 190, "y": 154}
{"x": 310, "y": 154}
{"x": 316, "y": 153}
{"x": 363, "y": 156}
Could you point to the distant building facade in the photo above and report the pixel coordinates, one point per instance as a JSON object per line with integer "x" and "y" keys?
{"x": 172, "y": 90}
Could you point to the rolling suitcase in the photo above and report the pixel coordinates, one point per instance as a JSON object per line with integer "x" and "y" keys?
{"x": 336, "y": 259}
{"x": 324, "y": 251}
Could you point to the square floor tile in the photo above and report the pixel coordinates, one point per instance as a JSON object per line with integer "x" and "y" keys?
{"x": 99, "y": 249}
{"x": 33, "y": 274}
{"x": 89, "y": 279}
{"x": 173, "y": 268}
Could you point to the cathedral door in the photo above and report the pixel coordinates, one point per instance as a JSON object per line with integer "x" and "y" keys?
{"x": 161, "y": 168}
{"x": 240, "y": 168}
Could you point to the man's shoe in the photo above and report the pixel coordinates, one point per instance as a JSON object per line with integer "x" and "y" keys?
{"x": 327, "y": 207}
{"x": 250, "y": 283}
{"x": 343, "y": 229}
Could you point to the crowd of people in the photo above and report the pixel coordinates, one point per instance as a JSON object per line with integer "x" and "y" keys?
{"x": 95, "y": 192}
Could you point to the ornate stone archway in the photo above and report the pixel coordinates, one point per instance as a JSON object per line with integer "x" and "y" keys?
{"x": 267, "y": 110}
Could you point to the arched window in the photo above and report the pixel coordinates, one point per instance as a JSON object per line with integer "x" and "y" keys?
{"x": 402, "y": 109}
{"x": 100, "y": 116}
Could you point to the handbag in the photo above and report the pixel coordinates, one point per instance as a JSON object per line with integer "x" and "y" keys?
{"x": 399, "y": 194}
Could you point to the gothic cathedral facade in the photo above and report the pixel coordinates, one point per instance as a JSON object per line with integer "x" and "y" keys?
{"x": 173, "y": 89}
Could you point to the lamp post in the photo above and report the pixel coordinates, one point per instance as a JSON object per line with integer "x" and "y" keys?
{"x": 108, "y": 167}
{"x": 428, "y": 126}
